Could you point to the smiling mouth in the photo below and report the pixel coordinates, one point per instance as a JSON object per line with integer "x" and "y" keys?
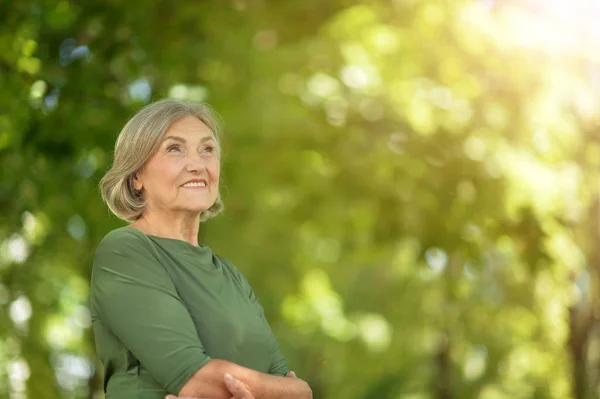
{"x": 195, "y": 184}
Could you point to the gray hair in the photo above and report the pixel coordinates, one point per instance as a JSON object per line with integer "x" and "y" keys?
{"x": 139, "y": 139}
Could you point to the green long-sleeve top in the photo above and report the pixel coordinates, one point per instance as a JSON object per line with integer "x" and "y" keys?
{"x": 162, "y": 308}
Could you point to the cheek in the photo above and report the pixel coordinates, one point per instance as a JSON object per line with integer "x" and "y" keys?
{"x": 163, "y": 174}
{"x": 214, "y": 170}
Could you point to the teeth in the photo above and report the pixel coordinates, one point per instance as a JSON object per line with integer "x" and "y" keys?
{"x": 195, "y": 184}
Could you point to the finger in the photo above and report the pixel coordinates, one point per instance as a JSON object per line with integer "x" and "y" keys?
{"x": 237, "y": 388}
{"x": 180, "y": 397}
{"x": 291, "y": 374}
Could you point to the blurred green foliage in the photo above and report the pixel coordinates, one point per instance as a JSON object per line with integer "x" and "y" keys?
{"x": 411, "y": 186}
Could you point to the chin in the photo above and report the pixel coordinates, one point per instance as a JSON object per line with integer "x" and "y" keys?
{"x": 196, "y": 208}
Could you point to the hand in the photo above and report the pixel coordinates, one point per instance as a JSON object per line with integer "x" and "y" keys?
{"x": 237, "y": 388}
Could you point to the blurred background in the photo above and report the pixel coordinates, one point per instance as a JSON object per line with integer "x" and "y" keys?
{"x": 412, "y": 187}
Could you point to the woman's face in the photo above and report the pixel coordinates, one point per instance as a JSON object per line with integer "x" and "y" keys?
{"x": 183, "y": 175}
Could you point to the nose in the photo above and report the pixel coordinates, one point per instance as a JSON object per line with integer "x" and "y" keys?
{"x": 195, "y": 163}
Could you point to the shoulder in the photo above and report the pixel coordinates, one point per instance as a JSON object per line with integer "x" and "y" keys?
{"x": 125, "y": 243}
{"x": 230, "y": 267}
{"x": 126, "y": 253}
{"x": 123, "y": 237}
{"x": 235, "y": 272}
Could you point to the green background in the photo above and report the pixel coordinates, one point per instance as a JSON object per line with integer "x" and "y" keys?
{"x": 411, "y": 187}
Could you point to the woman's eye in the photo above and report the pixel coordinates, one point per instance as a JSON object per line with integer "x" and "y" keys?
{"x": 173, "y": 148}
{"x": 209, "y": 149}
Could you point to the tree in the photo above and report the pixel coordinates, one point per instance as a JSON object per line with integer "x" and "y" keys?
{"x": 410, "y": 194}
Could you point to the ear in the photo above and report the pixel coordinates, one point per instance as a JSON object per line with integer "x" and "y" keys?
{"x": 137, "y": 183}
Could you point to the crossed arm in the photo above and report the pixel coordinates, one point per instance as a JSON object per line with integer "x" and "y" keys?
{"x": 238, "y": 389}
{"x": 208, "y": 382}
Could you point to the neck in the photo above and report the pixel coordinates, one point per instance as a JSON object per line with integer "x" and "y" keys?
{"x": 180, "y": 226}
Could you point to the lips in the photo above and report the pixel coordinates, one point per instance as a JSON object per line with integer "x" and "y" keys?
{"x": 195, "y": 183}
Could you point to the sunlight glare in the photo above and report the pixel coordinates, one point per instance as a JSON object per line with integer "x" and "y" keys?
{"x": 557, "y": 28}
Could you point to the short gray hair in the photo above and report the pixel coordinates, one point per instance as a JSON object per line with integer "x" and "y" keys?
{"x": 139, "y": 139}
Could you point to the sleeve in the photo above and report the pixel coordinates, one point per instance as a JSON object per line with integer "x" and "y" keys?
{"x": 278, "y": 363}
{"x": 136, "y": 300}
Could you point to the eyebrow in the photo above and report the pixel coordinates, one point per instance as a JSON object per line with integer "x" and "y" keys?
{"x": 182, "y": 140}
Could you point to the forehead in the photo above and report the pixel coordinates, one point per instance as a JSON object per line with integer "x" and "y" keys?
{"x": 188, "y": 127}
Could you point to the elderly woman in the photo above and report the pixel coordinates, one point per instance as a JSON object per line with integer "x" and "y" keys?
{"x": 169, "y": 315}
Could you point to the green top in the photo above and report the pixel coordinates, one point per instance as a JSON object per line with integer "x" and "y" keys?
{"x": 162, "y": 308}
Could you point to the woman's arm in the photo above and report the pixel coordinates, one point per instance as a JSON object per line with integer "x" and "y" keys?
{"x": 137, "y": 302}
{"x": 208, "y": 382}
{"x": 238, "y": 389}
